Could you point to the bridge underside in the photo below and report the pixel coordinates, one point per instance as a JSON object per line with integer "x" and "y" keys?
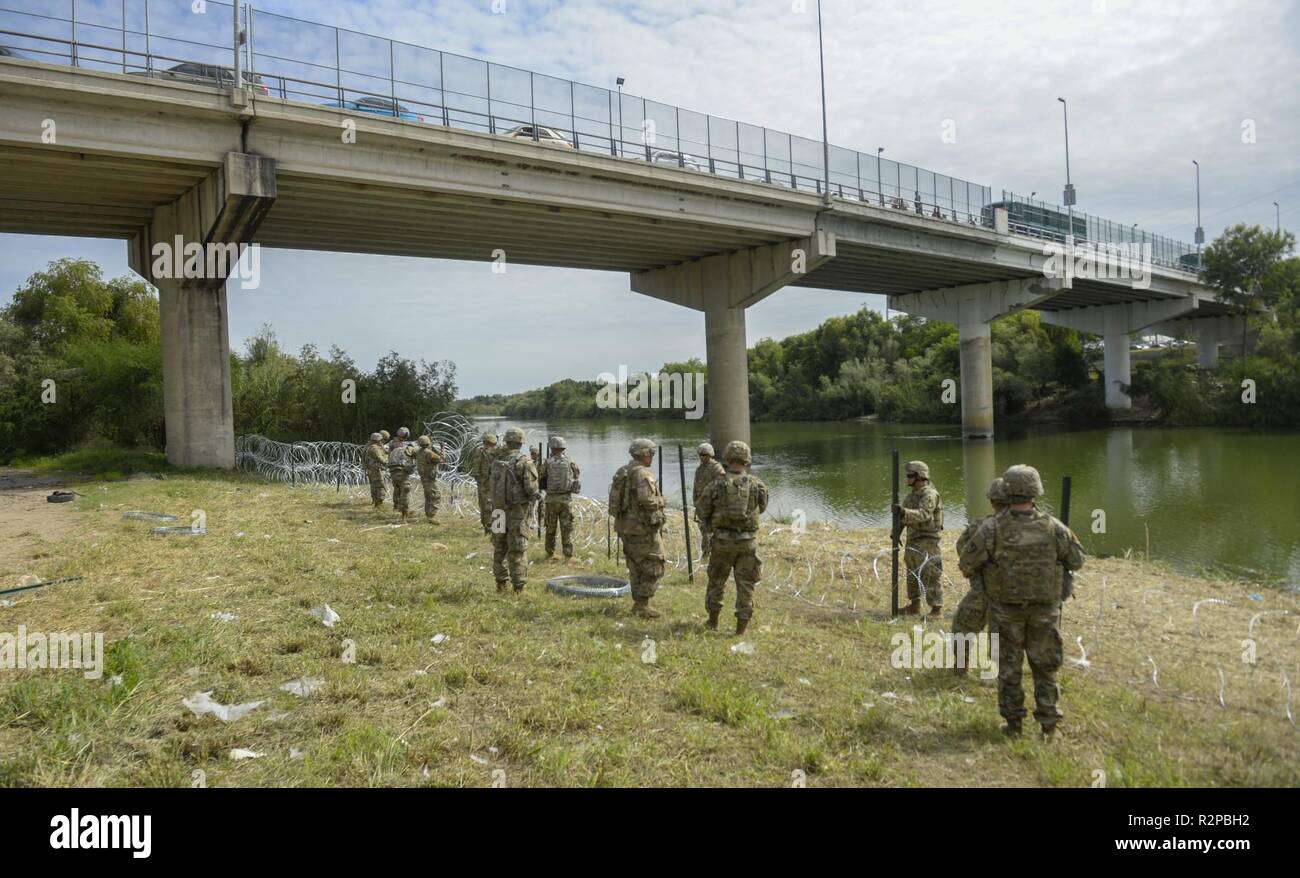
{"x": 127, "y": 151}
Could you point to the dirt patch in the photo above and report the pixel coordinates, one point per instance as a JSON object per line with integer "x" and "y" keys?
{"x": 28, "y": 524}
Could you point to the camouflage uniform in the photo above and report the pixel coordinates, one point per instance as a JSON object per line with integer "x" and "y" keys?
{"x": 638, "y": 510}
{"x": 1022, "y": 555}
{"x": 973, "y": 611}
{"x": 705, "y": 473}
{"x": 400, "y": 457}
{"x": 375, "y": 460}
{"x": 480, "y": 467}
{"x": 513, "y": 490}
{"x": 731, "y": 505}
{"x": 559, "y": 479}
{"x": 922, "y": 517}
{"x": 426, "y": 463}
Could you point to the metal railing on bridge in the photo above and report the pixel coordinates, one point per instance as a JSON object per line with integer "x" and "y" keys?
{"x": 304, "y": 61}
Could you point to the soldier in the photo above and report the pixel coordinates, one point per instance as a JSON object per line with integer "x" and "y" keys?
{"x": 921, "y": 513}
{"x": 426, "y": 462}
{"x": 708, "y": 470}
{"x": 513, "y": 489}
{"x": 384, "y": 434}
{"x": 973, "y": 610}
{"x": 732, "y": 505}
{"x": 480, "y": 467}
{"x": 559, "y": 480}
{"x": 400, "y": 463}
{"x": 638, "y": 510}
{"x": 1023, "y": 554}
{"x": 375, "y": 459}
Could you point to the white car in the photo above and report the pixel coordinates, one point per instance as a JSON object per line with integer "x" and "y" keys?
{"x": 549, "y": 136}
{"x": 680, "y": 159}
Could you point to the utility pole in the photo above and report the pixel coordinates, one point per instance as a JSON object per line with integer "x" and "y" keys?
{"x": 1200, "y": 232}
{"x": 826, "y": 143}
{"x": 1069, "y": 187}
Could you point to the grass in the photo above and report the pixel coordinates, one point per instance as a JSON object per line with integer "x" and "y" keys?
{"x": 106, "y": 464}
{"x": 540, "y": 690}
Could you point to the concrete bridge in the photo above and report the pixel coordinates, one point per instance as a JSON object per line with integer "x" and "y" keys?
{"x": 144, "y": 160}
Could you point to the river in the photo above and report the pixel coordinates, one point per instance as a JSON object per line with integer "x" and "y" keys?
{"x": 1202, "y": 499}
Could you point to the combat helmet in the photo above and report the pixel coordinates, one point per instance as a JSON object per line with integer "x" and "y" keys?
{"x": 738, "y": 451}
{"x": 403, "y": 433}
{"x": 919, "y": 467}
{"x": 705, "y": 448}
{"x": 490, "y": 438}
{"x": 514, "y": 436}
{"x": 385, "y": 435}
{"x": 1022, "y": 483}
{"x": 997, "y": 490}
{"x": 556, "y": 442}
{"x": 376, "y": 437}
{"x": 424, "y": 441}
{"x": 641, "y": 446}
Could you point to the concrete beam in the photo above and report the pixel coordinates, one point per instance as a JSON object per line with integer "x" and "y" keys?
{"x": 223, "y": 209}
{"x": 746, "y": 276}
{"x": 1116, "y": 325}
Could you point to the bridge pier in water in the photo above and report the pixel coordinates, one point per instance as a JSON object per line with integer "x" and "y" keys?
{"x": 223, "y": 209}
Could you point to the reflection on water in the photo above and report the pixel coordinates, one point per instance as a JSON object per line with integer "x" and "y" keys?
{"x": 1206, "y": 497}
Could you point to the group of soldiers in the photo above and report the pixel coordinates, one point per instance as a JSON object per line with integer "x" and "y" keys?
{"x": 1019, "y": 559}
{"x": 401, "y": 459}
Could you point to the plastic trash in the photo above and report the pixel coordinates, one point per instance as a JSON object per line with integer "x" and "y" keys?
{"x": 180, "y": 530}
{"x": 223, "y": 616}
{"x": 440, "y": 638}
{"x": 304, "y": 687}
{"x": 201, "y": 703}
{"x": 441, "y": 702}
{"x": 239, "y": 753}
{"x": 327, "y": 616}
{"x": 743, "y": 648}
{"x": 295, "y": 753}
{"x": 1255, "y": 596}
{"x": 479, "y": 759}
{"x": 149, "y": 516}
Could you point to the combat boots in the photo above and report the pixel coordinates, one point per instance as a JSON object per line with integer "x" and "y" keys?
{"x": 712, "y": 624}
{"x": 741, "y": 625}
{"x": 502, "y": 584}
{"x": 936, "y": 611}
{"x": 641, "y": 607}
{"x": 1012, "y": 728}
{"x": 912, "y": 609}
{"x": 1049, "y": 734}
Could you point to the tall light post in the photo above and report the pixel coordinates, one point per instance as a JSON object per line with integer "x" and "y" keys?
{"x": 826, "y": 143}
{"x": 1278, "y": 208}
{"x": 1069, "y": 187}
{"x": 880, "y": 178}
{"x": 1200, "y": 232}
{"x": 620, "y": 82}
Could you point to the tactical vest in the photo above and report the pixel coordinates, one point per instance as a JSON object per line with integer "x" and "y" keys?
{"x": 505, "y": 487}
{"x": 1025, "y": 568}
{"x": 559, "y": 475}
{"x": 737, "y": 507}
{"x": 426, "y": 461}
{"x": 618, "y": 500}
{"x": 397, "y": 457}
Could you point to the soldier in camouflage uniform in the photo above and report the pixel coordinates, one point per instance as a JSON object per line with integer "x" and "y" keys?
{"x": 401, "y": 461}
{"x": 921, "y": 514}
{"x": 480, "y": 467}
{"x": 638, "y": 510}
{"x": 1022, "y": 554}
{"x": 973, "y": 610}
{"x": 426, "y": 463}
{"x": 513, "y": 489}
{"x": 559, "y": 480}
{"x": 375, "y": 460}
{"x": 708, "y": 470}
{"x": 732, "y": 505}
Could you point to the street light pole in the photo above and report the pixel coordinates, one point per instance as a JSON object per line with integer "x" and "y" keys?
{"x": 826, "y": 143}
{"x": 880, "y": 179}
{"x": 1069, "y": 187}
{"x": 1278, "y": 208}
{"x": 1200, "y": 232}
{"x": 620, "y": 117}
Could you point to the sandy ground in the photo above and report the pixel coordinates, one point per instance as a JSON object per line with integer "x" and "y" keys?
{"x": 29, "y": 525}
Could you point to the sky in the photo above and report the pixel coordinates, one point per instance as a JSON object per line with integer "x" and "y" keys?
{"x": 960, "y": 88}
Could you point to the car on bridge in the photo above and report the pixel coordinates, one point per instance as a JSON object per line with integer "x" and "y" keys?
{"x": 1037, "y": 220}
{"x": 380, "y": 107}
{"x": 549, "y": 136}
{"x": 191, "y": 71}
{"x": 681, "y": 159}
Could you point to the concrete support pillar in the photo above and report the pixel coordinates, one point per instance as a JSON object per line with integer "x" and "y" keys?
{"x": 1118, "y": 372}
{"x": 973, "y": 308}
{"x": 728, "y": 381}
{"x": 723, "y": 286}
{"x": 979, "y": 469}
{"x": 1207, "y": 347}
{"x": 212, "y": 219}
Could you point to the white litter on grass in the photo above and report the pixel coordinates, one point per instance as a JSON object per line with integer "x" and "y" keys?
{"x": 743, "y": 648}
{"x": 1082, "y": 660}
{"x": 295, "y": 753}
{"x": 223, "y": 616}
{"x": 495, "y": 750}
{"x": 888, "y": 694}
{"x": 239, "y": 753}
{"x": 424, "y": 770}
{"x": 441, "y": 702}
{"x": 115, "y": 680}
{"x": 331, "y": 540}
{"x": 201, "y": 703}
{"x": 1223, "y": 684}
{"x": 192, "y": 672}
{"x": 304, "y": 687}
{"x": 783, "y": 713}
{"x": 470, "y": 555}
{"x": 240, "y": 535}
{"x": 6, "y": 603}
{"x": 968, "y": 699}
{"x": 327, "y": 616}
{"x": 805, "y": 681}
{"x": 1155, "y": 673}
{"x": 479, "y": 759}
{"x": 440, "y": 638}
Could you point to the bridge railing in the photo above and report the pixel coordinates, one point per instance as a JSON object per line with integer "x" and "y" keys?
{"x": 304, "y": 61}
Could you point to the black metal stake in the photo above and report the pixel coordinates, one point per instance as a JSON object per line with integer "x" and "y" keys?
{"x": 686, "y": 519}
{"x": 894, "y": 535}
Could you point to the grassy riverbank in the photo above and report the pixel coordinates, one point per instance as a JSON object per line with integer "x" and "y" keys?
{"x": 552, "y": 691}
